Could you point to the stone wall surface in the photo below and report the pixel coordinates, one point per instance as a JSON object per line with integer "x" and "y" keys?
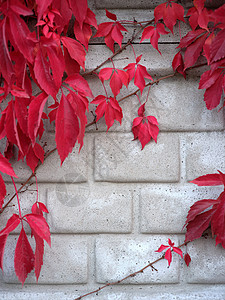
{"x": 112, "y": 205}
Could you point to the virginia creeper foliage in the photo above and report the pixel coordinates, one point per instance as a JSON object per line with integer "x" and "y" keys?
{"x": 38, "y": 48}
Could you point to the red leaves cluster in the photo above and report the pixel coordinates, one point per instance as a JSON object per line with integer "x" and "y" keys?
{"x": 206, "y": 38}
{"x": 144, "y": 128}
{"x": 170, "y": 248}
{"x": 207, "y": 212}
{"x": 25, "y": 259}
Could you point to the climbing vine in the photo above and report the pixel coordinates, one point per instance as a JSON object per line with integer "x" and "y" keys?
{"x": 37, "y": 45}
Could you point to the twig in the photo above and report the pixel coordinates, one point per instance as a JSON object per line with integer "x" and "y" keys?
{"x": 119, "y": 50}
{"x": 128, "y": 276}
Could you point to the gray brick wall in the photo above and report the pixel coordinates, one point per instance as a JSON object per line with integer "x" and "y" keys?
{"x": 112, "y": 205}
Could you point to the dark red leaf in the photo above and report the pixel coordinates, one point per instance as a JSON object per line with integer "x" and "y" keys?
{"x": 178, "y": 64}
{"x": 187, "y": 259}
{"x": 67, "y": 128}
{"x": 193, "y": 51}
{"x": 110, "y": 15}
{"x": 24, "y": 257}
{"x": 199, "y": 207}
{"x": 198, "y": 225}
{"x": 31, "y": 159}
{"x": 218, "y": 221}
{"x": 39, "y": 152}
{"x": 218, "y": 47}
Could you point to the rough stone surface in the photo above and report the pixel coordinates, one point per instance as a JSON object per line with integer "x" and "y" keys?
{"x": 118, "y": 158}
{"x": 164, "y": 208}
{"x": 207, "y": 265}
{"x": 89, "y": 208}
{"x": 202, "y": 149}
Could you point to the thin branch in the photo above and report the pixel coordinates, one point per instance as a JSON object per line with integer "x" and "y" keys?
{"x": 119, "y": 50}
{"x": 151, "y": 264}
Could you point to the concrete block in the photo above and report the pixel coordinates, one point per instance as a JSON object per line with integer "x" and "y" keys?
{"x": 164, "y": 208}
{"x": 207, "y": 262}
{"x": 119, "y": 159}
{"x": 85, "y": 208}
{"x": 205, "y": 153}
{"x": 117, "y": 257}
{"x": 64, "y": 263}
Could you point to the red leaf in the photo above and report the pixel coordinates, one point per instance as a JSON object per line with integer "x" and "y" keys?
{"x": 79, "y": 84}
{"x": 162, "y": 248}
{"x": 12, "y": 223}
{"x": 178, "y": 251}
{"x": 2, "y": 191}
{"x": 199, "y": 207}
{"x": 178, "y": 64}
{"x": 105, "y": 74}
{"x": 110, "y": 15}
{"x": 39, "y": 225}
{"x": 38, "y": 256}
{"x": 39, "y": 152}
{"x": 20, "y": 33}
{"x": 79, "y": 9}
{"x": 6, "y": 66}
{"x": 168, "y": 256}
{"x": 198, "y": 225}
{"x": 10, "y": 126}
{"x": 21, "y": 113}
{"x": 71, "y": 66}
{"x": 67, "y": 128}
{"x": 213, "y": 94}
{"x": 193, "y": 51}
{"x": 75, "y": 49}
{"x": 218, "y": 47}
{"x": 3, "y": 240}
{"x": 208, "y": 180}
{"x": 24, "y": 257}
{"x": 34, "y": 116}
{"x": 140, "y": 74}
{"x": 43, "y": 74}
{"x": 187, "y": 259}
{"x": 83, "y": 35}
{"x": 6, "y": 167}
{"x": 31, "y": 159}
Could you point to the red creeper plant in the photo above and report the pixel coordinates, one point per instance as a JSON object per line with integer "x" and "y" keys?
{"x": 36, "y": 45}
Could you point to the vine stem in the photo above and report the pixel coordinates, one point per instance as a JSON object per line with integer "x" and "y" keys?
{"x": 90, "y": 124}
{"x": 119, "y": 50}
{"x": 151, "y": 264}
